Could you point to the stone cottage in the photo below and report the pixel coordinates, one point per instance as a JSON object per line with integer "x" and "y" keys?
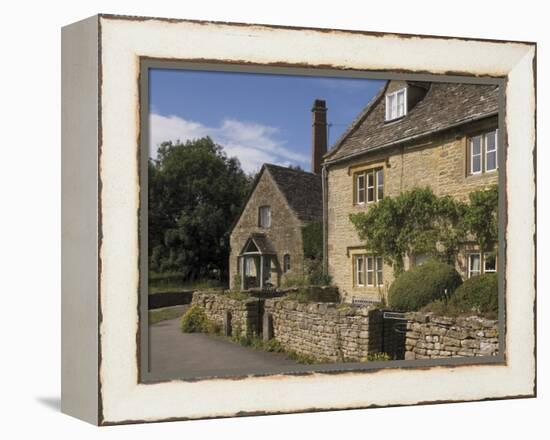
{"x": 412, "y": 134}
{"x": 266, "y": 241}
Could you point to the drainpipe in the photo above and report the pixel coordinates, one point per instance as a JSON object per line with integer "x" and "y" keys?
{"x": 324, "y": 181}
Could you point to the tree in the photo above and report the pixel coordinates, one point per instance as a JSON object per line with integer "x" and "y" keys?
{"x": 414, "y": 222}
{"x": 195, "y": 194}
{"x": 419, "y": 222}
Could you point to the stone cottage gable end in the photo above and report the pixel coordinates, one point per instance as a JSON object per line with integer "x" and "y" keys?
{"x": 282, "y": 190}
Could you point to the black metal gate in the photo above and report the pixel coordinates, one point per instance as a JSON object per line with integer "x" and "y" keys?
{"x": 393, "y": 334}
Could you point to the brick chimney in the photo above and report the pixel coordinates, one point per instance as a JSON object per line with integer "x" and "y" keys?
{"x": 319, "y": 134}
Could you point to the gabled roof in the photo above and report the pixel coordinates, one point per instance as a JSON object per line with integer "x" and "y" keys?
{"x": 445, "y": 105}
{"x": 303, "y": 191}
{"x": 260, "y": 242}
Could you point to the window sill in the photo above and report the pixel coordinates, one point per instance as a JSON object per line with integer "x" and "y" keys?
{"x": 481, "y": 175}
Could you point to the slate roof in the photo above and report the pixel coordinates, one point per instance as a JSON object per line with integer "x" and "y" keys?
{"x": 445, "y": 105}
{"x": 302, "y": 190}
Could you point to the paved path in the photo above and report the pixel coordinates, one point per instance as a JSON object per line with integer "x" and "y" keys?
{"x": 195, "y": 353}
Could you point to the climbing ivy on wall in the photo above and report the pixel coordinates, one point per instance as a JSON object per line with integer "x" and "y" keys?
{"x": 419, "y": 222}
{"x": 481, "y": 217}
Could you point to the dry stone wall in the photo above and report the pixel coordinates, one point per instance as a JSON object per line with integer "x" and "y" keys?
{"x": 243, "y": 314}
{"x": 430, "y": 336}
{"x": 324, "y": 331}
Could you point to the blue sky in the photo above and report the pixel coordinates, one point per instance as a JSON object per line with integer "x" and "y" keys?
{"x": 256, "y": 117}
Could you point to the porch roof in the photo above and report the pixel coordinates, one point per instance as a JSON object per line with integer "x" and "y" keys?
{"x": 260, "y": 242}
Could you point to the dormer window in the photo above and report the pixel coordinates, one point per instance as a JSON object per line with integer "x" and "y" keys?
{"x": 396, "y": 104}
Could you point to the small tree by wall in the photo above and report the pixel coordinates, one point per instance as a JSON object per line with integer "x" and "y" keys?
{"x": 312, "y": 239}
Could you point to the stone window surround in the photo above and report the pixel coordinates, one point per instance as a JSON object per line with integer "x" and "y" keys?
{"x": 483, "y": 153}
{"x": 375, "y": 170}
{"x": 376, "y": 270}
{"x": 286, "y": 263}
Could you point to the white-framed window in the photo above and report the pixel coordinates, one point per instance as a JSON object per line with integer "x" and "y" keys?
{"x": 491, "y": 151}
{"x": 379, "y": 184}
{"x": 379, "y": 271}
{"x": 368, "y": 270}
{"x": 483, "y": 154}
{"x": 249, "y": 267}
{"x": 369, "y": 186}
{"x": 475, "y": 155}
{"x": 286, "y": 263}
{"x": 264, "y": 216}
{"x": 474, "y": 265}
{"x": 371, "y": 196}
{"x": 396, "y": 104}
{"x": 359, "y": 270}
{"x": 479, "y": 263}
{"x": 360, "y": 188}
{"x": 489, "y": 263}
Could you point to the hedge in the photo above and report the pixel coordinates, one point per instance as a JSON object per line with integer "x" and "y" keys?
{"x": 421, "y": 285}
{"x": 478, "y": 295}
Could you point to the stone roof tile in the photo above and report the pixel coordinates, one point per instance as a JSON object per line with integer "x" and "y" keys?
{"x": 302, "y": 190}
{"x": 445, "y": 105}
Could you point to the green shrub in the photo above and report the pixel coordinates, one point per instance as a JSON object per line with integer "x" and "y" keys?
{"x": 213, "y": 328}
{"x": 293, "y": 280}
{"x": 421, "y": 285}
{"x": 273, "y": 346}
{"x": 237, "y": 281}
{"x": 237, "y": 295}
{"x": 315, "y": 274}
{"x": 301, "y": 358}
{"x": 372, "y": 357}
{"x": 441, "y": 307}
{"x": 477, "y": 295}
{"x": 194, "y": 320}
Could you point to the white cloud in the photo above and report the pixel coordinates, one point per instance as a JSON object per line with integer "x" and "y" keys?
{"x": 252, "y": 143}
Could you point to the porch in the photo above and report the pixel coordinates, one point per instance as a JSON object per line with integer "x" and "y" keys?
{"x": 258, "y": 264}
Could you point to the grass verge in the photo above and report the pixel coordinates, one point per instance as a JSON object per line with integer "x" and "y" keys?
{"x": 165, "y": 314}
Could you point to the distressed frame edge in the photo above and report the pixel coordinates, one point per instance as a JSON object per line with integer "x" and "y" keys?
{"x": 80, "y": 128}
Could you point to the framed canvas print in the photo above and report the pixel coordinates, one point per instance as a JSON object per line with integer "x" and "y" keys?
{"x": 262, "y": 219}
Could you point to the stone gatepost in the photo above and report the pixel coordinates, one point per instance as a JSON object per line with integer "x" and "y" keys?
{"x": 267, "y": 332}
{"x": 227, "y": 323}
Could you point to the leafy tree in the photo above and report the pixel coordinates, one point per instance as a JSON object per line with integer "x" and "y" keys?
{"x": 414, "y": 222}
{"x": 195, "y": 194}
{"x": 419, "y": 222}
